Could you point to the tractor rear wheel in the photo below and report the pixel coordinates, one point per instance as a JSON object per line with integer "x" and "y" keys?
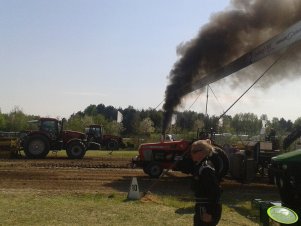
{"x": 76, "y": 150}
{"x": 36, "y": 147}
{"x": 154, "y": 170}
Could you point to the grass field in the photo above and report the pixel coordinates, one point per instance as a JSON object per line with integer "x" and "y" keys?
{"x": 23, "y": 201}
{"x": 27, "y": 207}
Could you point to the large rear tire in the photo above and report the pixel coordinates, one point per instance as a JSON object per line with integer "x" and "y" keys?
{"x": 290, "y": 195}
{"x": 76, "y": 150}
{"x": 36, "y": 147}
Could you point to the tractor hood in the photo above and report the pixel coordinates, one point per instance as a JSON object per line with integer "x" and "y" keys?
{"x": 112, "y": 137}
{"x": 290, "y": 157}
{"x": 68, "y": 134}
{"x": 174, "y": 145}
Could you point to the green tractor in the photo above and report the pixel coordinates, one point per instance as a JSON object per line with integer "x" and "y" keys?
{"x": 286, "y": 169}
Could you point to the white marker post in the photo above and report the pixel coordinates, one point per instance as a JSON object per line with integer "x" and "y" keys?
{"x": 134, "y": 193}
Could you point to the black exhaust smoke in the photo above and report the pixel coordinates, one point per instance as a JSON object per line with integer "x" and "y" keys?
{"x": 227, "y": 36}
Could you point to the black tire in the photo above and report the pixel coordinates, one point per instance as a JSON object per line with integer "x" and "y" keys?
{"x": 287, "y": 194}
{"x": 154, "y": 170}
{"x": 112, "y": 145}
{"x": 36, "y": 147}
{"x": 145, "y": 169}
{"x": 76, "y": 150}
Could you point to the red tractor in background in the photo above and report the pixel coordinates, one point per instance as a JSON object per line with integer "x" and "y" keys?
{"x": 96, "y": 133}
{"x": 50, "y": 135}
{"x": 153, "y": 158}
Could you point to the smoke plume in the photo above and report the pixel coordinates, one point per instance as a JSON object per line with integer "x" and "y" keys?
{"x": 228, "y": 35}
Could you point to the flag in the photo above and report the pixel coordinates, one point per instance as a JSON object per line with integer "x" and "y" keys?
{"x": 119, "y": 116}
{"x": 173, "y": 119}
{"x": 262, "y": 131}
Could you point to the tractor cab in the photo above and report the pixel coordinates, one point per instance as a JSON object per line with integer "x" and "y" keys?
{"x": 94, "y": 133}
{"x": 49, "y": 126}
{"x": 52, "y": 127}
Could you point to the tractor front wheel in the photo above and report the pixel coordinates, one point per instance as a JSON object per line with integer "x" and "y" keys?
{"x": 145, "y": 169}
{"x": 37, "y": 147}
{"x": 154, "y": 170}
{"x": 76, "y": 150}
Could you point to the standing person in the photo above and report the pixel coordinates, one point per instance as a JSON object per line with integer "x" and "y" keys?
{"x": 205, "y": 184}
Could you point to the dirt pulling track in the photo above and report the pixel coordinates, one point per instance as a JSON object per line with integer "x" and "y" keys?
{"x": 86, "y": 175}
{"x": 105, "y": 175}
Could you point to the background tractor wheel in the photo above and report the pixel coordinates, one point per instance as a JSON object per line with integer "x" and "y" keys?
{"x": 112, "y": 145}
{"x": 154, "y": 170}
{"x": 36, "y": 147}
{"x": 76, "y": 150}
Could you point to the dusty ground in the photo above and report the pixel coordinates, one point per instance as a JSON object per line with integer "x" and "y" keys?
{"x": 109, "y": 175}
{"x": 86, "y": 175}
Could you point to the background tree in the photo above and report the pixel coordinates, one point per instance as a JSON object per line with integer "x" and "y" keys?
{"x": 226, "y": 125}
{"x": 297, "y": 123}
{"x": 130, "y": 120}
{"x": 91, "y": 110}
{"x": 114, "y": 128}
{"x": 79, "y": 123}
{"x": 2, "y": 122}
{"x": 146, "y": 126}
{"x": 246, "y": 123}
{"x": 100, "y": 120}
{"x": 16, "y": 120}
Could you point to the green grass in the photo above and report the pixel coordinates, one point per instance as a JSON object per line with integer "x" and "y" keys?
{"x": 42, "y": 208}
{"x": 79, "y": 209}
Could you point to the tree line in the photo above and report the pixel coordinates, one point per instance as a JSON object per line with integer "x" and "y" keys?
{"x": 147, "y": 122}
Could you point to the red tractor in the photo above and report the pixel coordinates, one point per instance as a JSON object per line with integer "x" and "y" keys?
{"x": 153, "y": 158}
{"x": 97, "y": 134}
{"x": 50, "y": 135}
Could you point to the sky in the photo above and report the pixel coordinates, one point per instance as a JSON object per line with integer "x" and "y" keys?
{"x": 59, "y": 56}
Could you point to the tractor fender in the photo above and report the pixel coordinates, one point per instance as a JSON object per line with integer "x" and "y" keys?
{"x": 93, "y": 146}
{"x": 76, "y": 140}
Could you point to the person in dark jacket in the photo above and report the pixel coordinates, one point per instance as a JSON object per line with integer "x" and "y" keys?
{"x": 205, "y": 185}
